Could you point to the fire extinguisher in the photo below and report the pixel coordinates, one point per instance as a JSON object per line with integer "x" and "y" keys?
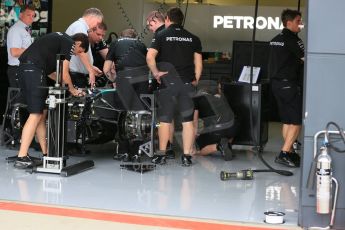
{"x": 326, "y": 198}
{"x": 324, "y": 182}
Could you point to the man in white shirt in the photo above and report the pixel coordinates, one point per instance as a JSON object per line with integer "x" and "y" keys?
{"x": 81, "y": 66}
{"x": 18, "y": 39}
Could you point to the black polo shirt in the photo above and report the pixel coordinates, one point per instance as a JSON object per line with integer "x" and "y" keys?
{"x": 162, "y": 27}
{"x": 127, "y": 52}
{"x": 99, "y": 46}
{"x": 98, "y": 60}
{"x": 44, "y": 50}
{"x": 177, "y": 46}
{"x": 286, "y": 51}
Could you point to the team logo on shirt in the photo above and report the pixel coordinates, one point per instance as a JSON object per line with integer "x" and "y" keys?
{"x": 300, "y": 44}
{"x": 178, "y": 39}
{"x": 277, "y": 43}
{"x": 71, "y": 52}
{"x": 104, "y": 43}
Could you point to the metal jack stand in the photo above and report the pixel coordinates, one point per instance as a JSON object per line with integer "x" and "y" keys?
{"x": 54, "y": 162}
{"x": 148, "y": 147}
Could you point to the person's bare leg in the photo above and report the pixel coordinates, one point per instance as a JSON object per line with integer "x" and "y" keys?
{"x": 208, "y": 149}
{"x": 285, "y": 129}
{"x": 188, "y": 137}
{"x": 171, "y": 132}
{"x": 291, "y": 135}
{"x": 196, "y": 122}
{"x": 41, "y": 133}
{"x": 297, "y": 132}
{"x": 28, "y": 133}
{"x": 164, "y": 135}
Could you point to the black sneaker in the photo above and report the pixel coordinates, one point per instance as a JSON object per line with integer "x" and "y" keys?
{"x": 121, "y": 151}
{"x": 117, "y": 156}
{"x": 11, "y": 159}
{"x": 295, "y": 158}
{"x": 121, "y": 157}
{"x": 284, "y": 159}
{"x": 24, "y": 162}
{"x": 186, "y": 160}
{"x": 224, "y": 149}
{"x": 159, "y": 160}
{"x": 14, "y": 158}
{"x": 126, "y": 157}
{"x": 136, "y": 158}
{"x": 170, "y": 153}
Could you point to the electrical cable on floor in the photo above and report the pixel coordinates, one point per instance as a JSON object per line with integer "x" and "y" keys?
{"x": 248, "y": 173}
{"x": 271, "y": 169}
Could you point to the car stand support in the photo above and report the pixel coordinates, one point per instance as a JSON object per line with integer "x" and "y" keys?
{"x": 55, "y": 162}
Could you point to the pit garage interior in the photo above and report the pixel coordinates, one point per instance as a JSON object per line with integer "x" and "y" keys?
{"x": 195, "y": 197}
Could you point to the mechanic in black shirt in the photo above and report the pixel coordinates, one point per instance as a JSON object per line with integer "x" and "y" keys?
{"x": 179, "y": 59}
{"x": 218, "y": 123}
{"x": 126, "y": 52}
{"x": 37, "y": 63}
{"x": 129, "y": 55}
{"x": 155, "y": 23}
{"x": 99, "y": 49}
{"x": 131, "y": 77}
{"x": 285, "y": 68}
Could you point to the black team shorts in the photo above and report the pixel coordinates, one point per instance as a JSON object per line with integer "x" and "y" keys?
{"x": 175, "y": 93}
{"x": 289, "y": 101}
{"x": 175, "y": 97}
{"x": 31, "y": 79}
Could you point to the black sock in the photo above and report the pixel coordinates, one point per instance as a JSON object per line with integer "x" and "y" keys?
{"x": 218, "y": 146}
{"x": 169, "y": 145}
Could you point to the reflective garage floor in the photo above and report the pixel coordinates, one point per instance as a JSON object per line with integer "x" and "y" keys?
{"x": 169, "y": 190}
